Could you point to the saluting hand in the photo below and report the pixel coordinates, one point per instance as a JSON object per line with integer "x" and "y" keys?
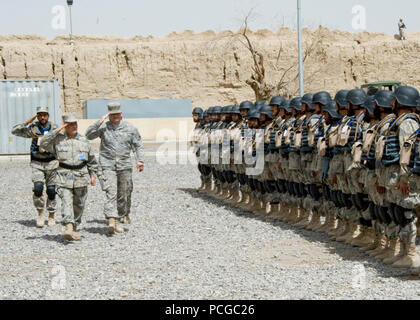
{"x": 140, "y": 166}
{"x": 30, "y": 120}
{"x": 104, "y": 118}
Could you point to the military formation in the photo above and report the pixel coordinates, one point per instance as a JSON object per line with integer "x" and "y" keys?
{"x": 348, "y": 167}
{"x": 63, "y": 163}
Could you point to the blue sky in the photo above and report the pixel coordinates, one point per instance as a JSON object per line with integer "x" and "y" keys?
{"x": 160, "y": 17}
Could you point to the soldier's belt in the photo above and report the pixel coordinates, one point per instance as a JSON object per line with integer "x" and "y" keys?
{"x": 34, "y": 158}
{"x": 78, "y": 167}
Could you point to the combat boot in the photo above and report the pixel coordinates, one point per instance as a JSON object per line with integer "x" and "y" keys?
{"x": 215, "y": 190}
{"x": 332, "y": 226}
{"x": 201, "y": 188}
{"x": 51, "y": 219}
{"x": 235, "y": 197}
{"x": 381, "y": 246}
{"x": 41, "y": 219}
{"x": 126, "y": 219}
{"x": 341, "y": 237}
{"x": 374, "y": 245}
{"x": 70, "y": 234}
{"x": 318, "y": 225}
{"x": 118, "y": 228}
{"x": 111, "y": 226}
{"x": 274, "y": 210}
{"x": 363, "y": 239}
{"x": 352, "y": 232}
{"x": 393, "y": 252}
{"x": 410, "y": 258}
{"x": 303, "y": 218}
{"x": 385, "y": 252}
{"x": 315, "y": 221}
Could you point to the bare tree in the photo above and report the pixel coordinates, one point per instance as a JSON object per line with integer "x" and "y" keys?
{"x": 286, "y": 83}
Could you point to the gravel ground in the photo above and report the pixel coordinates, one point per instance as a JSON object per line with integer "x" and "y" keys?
{"x": 179, "y": 246}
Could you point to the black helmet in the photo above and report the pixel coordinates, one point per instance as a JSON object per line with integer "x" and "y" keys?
{"x": 341, "y": 98}
{"x": 277, "y": 101}
{"x": 369, "y": 104}
{"x": 330, "y": 108}
{"x": 246, "y": 105}
{"x": 235, "y": 110}
{"x": 307, "y": 99}
{"x": 259, "y": 104}
{"x": 296, "y": 103}
{"x": 254, "y": 114}
{"x": 267, "y": 111}
{"x": 210, "y": 110}
{"x": 217, "y": 110}
{"x": 407, "y": 96}
{"x": 287, "y": 106}
{"x": 197, "y": 110}
{"x": 322, "y": 97}
{"x": 356, "y": 97}
{"x": 205, "y": 113}
{"x": 383, "y": 98}
{"x": 201, "y": 116}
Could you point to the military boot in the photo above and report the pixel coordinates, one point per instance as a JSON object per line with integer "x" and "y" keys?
{"x": 315, "y": 221}
{"x": 70, "y": 234}
{"x": 410, "y": 258}
{"x": 126, "y": 219}
{"x": 235, "y": 197}
{"x": 363, "y": 239}
{"x": 334, "y": 233}
{"x": 375, "y": 243}
{"x": 332, "y": 226}
{"x": 385, "y": 252}
{"x": 341, "y": 237}
{"x": 380, "y": 247}
{"x": 274, "y": 210}
{"x": 352, "y": 233}
{"x": 243, "y": 200}
{"x": 309, "y": 221}
{"x": 111, "y": 226}
{"x": 201, "y": 188}
{"x": 51, "y": 219}
{"x": 41, "y": 219}
{"x": 318, "y": 226}
{"x": 215, "y": 190}
{"x": 296, "y": 214}
{"x": 118, "y": 227}
{"x": 393, "y": 253}
{"x": 303, "y": 218}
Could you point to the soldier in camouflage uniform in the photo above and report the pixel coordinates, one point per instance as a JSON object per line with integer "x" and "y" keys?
{"x": 401, "y": 189}
{"x": 244, "y": 187}
{"x": 77, "y": 168}
{"x": 43, "y": 164}
{"x": 374, "y": 180}
{"x": 203, "y": 153}
{"x": 197, "y": 114}
{"x": 118, "y": 140}
{"x": 275, "y": 182}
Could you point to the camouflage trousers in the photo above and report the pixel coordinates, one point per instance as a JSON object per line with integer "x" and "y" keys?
{"x": 44, "y": 173}
{"x": 72, "y": 204}
{"x": 118, "y": 186}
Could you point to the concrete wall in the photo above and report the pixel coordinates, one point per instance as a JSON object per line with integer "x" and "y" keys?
{"x": 154, "y": 129}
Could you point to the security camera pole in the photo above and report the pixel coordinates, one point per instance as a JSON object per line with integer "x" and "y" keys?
{"x": 301, "y": 88}
{"x": 70, "y": 3}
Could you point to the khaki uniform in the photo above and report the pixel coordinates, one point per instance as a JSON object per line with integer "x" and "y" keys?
{"x": 77, "y": 166}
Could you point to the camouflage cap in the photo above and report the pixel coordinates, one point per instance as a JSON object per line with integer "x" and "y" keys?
{"x": 114, "y": 108}
{"x": 69, "y": 118}
{"x": 41, "y": 109}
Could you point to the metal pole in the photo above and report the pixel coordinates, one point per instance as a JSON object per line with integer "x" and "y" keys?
{"x": 299, "y": 25}
{"x": 71, "y": 26}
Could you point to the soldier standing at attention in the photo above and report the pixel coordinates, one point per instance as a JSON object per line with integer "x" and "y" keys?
{"x": 43, "y": 164}
{"x": 77, "y": 168}
{"x": 401, "y": 27}
{"x": 118, "y": 139}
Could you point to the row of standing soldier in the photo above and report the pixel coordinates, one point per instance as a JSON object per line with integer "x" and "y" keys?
{"x": 348, "y": 166}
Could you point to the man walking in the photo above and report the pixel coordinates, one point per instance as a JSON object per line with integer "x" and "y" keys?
{"x": 77, "y": 168}
{"x": 118, "y": 139}
{"x": 43, "y": 164}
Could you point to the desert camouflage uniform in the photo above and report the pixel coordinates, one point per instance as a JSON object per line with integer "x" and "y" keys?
{"x": 77, "y": 166}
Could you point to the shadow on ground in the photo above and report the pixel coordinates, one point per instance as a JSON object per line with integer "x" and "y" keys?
{"x": 345, "y": 251}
